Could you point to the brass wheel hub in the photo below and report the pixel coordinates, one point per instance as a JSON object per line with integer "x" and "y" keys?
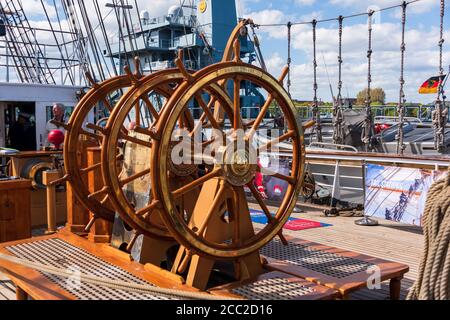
{"x": 239, "y": 165}
{"x": 183, "y": 169}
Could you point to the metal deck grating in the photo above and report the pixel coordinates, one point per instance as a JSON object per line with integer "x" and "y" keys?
{"x": 273, "y": 289}
{"x": 60, "y": 254}
{"x": 326, "y": 263}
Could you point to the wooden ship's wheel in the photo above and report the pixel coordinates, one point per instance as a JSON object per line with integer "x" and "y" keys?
{"x": 143, "y": 216}
{"x": 84, "y": 130}
{"x": 220, "y": 225}
{"x": 106, "y": 200}
{"x": 201, "y": 201}
{"x": 233, "y": 169}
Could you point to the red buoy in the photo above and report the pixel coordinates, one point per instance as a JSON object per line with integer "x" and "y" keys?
{"x": 56, "y": 137}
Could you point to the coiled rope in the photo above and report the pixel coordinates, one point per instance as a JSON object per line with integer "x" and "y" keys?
{"x": 433, "y": 282}
{"x": 113, "y": 284}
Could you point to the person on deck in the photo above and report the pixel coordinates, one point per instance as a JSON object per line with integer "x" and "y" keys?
{"x": 59, "y": 111}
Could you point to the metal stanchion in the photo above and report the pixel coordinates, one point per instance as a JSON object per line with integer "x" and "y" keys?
{"x": 366, "y": 221}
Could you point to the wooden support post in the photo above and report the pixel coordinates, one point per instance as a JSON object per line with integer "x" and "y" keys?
{"x": 395, "y": 288}
{"x": 217, "y": 231}
{"x": 101, "y": 232}
{"x": 48, "y": 178}
{"x": 77, "y": 214}
{"x": 21, "y": 295}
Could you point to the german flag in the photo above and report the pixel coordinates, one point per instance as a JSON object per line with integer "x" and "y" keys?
{"x": 432, "y": 85}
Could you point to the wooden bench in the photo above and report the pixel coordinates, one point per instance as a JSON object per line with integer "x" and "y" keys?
{"x": 99, "y": 259}
{"x": 333, "y": 268}
{"x": 276, "y": 286}
{"x": 309, "y": 270}
{"x": 67, "y": 251}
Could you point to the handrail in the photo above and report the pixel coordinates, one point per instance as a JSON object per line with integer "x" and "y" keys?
{"x": 337, "y": 146}
{"x": 410, "y": 119}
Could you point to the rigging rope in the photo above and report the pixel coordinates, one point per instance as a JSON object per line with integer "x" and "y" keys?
{"x": 105, "y": 35}
{"x": 338, "y": 115}
{"x": 402, "y": 101}
{"x": 257, "y": 45}
{"x": 337, "y": 19}
{"x": 368, "y": 123}
{"x": 433, "y": 282}
{"x": 289, "y": 60}
{"x": 64, "y": 60}
{"x": 440, "y": 114}
{"x": 315, "y": 106}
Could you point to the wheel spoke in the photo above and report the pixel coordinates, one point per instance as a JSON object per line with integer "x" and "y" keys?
{"x": 91, "y": 168}
{"x": 143, "y": 131}
{"x": 291, "y": 180}
{"x": 260, "y": 117}
{"x": 136, "y": 140}
{"x": 92, "y": 135}
{"x": 236, "y": 217}
{"x": 268, "y": 145}
{"x": 136, "y": 176}
{"x": 195, "y": 184}
{"x": 95, "y": 127}
{"x": 137, "y": 114}
{"x": 207, "y": 111}
{"x": 100, "y": 192}
{"x": 198, "y": 126}
{"x": 151, "y": 107}
{"x": 107, "y": 104}
{"x": 148, "y": 209}
{"x": 265, "y": 209}
{"x": 237, "y": 123}
{"x": 260, "y": 201}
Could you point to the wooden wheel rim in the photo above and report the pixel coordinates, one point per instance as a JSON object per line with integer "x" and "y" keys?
{"x": 110, "y": 174}
{"x": 71, "y": 144}
{"x": 174, "y": 222}
{"x": 112, "y": 135}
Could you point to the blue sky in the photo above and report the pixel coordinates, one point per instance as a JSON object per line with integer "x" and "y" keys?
{"x": 421, "y": 40}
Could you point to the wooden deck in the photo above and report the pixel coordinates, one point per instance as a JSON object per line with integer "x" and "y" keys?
{"x": 390, "y": 241}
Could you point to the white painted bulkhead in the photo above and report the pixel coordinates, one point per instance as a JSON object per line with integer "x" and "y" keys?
{"x": 42, "y": 96}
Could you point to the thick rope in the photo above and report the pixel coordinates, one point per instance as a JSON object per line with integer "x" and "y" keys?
{"x": 113, "y": 284}
{"x": 433, "y": 282}
{"x": 289, "y": 60}
{"x": 315, "y": 106}
{"x": 440, "y": 115}
{"x": 368, "y": 123}
{"x": 338, "y": 115}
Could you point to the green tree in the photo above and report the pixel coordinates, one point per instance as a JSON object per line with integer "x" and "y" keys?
{"x": 378, "y": 96}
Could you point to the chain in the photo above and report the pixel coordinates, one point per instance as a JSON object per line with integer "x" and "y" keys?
{"x": 338, "y": 135}
{"x": 368, "y": 125}
{"x": 289, "y": 27}
{"x": 440, "y": 115}
{"x": 316, "y": 112}
{"x": 401, "y": 105}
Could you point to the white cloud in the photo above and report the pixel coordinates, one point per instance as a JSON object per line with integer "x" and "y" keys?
{"x": 305, "y": 2}
{"x": 421, "y": 59}
{"x": 421, "y": 55}
{"x": 419, "y": 7}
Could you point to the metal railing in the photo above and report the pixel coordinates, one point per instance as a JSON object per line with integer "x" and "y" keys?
{"x": 423, "y": 113}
